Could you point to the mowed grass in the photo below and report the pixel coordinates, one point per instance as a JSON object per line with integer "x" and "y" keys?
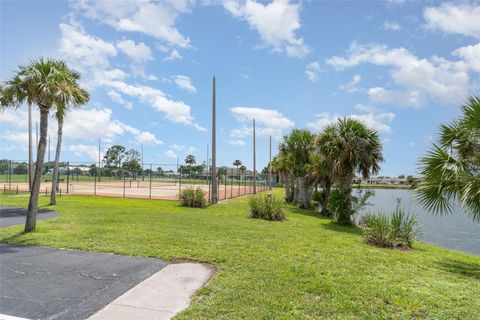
{"x": 306, "y": 267}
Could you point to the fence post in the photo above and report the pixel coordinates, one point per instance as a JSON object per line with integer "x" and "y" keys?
{"x": 68, "y": 175}
{"x": 10, "y": 175}
{"x": 95, "y": 184}
{"x": 124, "y": 184}
{"x": 179, "y": 184}
{"x": 150, "y": 192}
{"x": 17, "y": 188}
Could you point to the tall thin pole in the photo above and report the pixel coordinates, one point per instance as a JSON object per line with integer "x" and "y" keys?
{"x": 143, "y": 175}
{"x": 254, "y": 162}
{"x": 49, "y": 148}
{"x": 99, "y": 160}
{"x": 270, "y": 165}
{"x": 30, "y": 148}
{"x": 36, "y": 134}
{"x": 214, "y": 147}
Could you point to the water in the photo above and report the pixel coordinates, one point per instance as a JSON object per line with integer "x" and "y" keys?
{"x": 456, "y": 231}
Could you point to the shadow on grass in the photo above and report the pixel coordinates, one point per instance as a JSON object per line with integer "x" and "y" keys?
{"x": 15, "y": 238}
{"x": 338, "y": 227}
{"x": 306, "y": 212}
{"x": 462, "y": 268}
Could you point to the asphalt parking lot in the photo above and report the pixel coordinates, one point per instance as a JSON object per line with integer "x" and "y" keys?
{"x": 10, "y": 216}
{"x": 47, "y": 283}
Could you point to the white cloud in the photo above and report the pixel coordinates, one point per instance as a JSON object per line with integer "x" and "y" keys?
{"x": 139, "y": 53}
{"x": 83, "y": 150}
{"x": 396, "y": 2}
{"x": 471, "y": 55}
{"x": 236, "y": 142}
{"x": 418, "y": 80}
{"x": 313, "y": 68}
{"x": 83, "y": 49}
{"x": 184, "y": 82}
{"x": 147, "y": 137}
{"x": 184, "y": 149}
{"x": 174, "y": 55}
{"x": 175, "y": 111}
{"x": 352, "y": 85}
{"x": 376, "y": 121}
{"x": 171, "y": 154}
{"x": 18, "y": 138}
{"x": 268, "y": 122}
{"x": 276, "y": 23}
{"x": 155, "y": 19}
{"x": 461, "y": 18}
{"x": 117, "y": 97}
{"x": 391, "y": 25}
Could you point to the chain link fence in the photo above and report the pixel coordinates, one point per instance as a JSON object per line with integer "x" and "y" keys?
{"x": 147, "y": 181}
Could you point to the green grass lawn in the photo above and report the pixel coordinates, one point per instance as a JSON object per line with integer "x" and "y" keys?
{"x": 306, "y": 267}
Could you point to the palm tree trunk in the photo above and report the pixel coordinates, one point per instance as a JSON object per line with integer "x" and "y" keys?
{"x": 326, "y": 197}
{"x": 345, "y": 188}
{"x": 37, "y": 179}
{"x": 55, "y": 177}
{"x": 304, "y": 193}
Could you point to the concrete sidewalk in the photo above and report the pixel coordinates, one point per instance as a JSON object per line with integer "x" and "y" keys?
{"x": 48, "y": 283}
{"x": 10, "y": 216}
{"x": 161, "y": 296}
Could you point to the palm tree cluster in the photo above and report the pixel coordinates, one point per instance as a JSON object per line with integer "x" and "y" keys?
{"x": 307, "y": 162}
{"x": 451, "y": 169}
{"x": 52, "y": 86}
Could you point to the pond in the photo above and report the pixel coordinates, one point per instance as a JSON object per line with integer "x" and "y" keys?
{"x": 456, "y": 231}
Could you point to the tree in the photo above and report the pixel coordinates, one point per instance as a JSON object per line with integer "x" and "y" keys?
{"x": 42, "y": 82}
{"x": 131, "y": 162}
{"x": 402, "y": 176}
{"x": 297, "y": 149}
{"x": 20, "y": 168}
{"x": 242, "y": 169}
{"x": 320, "y": 172}
{"x": 113, "y": 157}
{"x": 350, "y": 147}
{"x": 451, "y": 169}
{"x": 237, "y": 163}
{"x": 190, "y": 160}
{"x": 73, "y": 96}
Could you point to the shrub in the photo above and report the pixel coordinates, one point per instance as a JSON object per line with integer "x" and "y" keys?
{"x": 343, "y": 208}
{"x": 395, "y": 231}
{"x": 192, "y": 197}
{"x": 266, "y": 207}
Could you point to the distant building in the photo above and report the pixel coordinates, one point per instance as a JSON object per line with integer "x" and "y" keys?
{"x": 381, "y": 180}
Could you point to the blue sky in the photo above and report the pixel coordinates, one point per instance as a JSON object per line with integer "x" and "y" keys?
{"x": 401, "y": 67}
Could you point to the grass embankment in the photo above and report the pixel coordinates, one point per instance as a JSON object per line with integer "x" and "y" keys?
{"x": 305, "y": 267}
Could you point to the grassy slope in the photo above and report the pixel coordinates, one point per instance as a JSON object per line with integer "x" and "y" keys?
{"x": 305, "y": 267}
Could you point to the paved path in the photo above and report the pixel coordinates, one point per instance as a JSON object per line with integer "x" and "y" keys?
{"x": 10, "y": 216}
{"x": 46, "y": 283}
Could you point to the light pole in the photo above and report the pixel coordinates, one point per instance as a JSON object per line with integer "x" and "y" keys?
{"x": 30, "y": 147}
{"x": 254, "y": 161}
{"x": 270, "y": 165}
{"x": 214, "y": 147}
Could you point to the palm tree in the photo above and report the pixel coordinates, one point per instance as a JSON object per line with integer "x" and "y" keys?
{"x": 42, "y": 82}
{"x": 190, "y": 160}
{"x": 320, "y": 173}
{"x": 350, "y": 147}
{"x": 242, "y": 170}
{"x": 77, "y": 96}
{"x": 298, "y": 147}
{"x": 451, "y": 169}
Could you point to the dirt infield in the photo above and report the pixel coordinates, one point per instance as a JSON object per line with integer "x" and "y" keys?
{"x": 162, "y": 190}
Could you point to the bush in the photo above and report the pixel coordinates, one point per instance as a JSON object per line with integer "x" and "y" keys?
{"x": 192, "y": 197}
{"x": 266, "y": 207}
{"x": 396, "y": 231}
{"x": 344, "y": 205}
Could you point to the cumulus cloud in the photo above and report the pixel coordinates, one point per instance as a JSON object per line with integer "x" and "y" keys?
{"x": 85, "y": 151}
{"x": 471, "y": 55}
{"x": 376, "y": 121}
{"x": 352, "y": 85}
{"x": 139, "y": 53}
{"x": 236, "y": 142}
{"x": 85, "y": 50}
{"x": 155, "y": 19}
{"x": 78, "y": 48}
{"x": 276, "y": 23}
{"x": 268, "y": 122}
{"x": 313, "y": 68}
{"x": 117, "y": 97}
{"x": 171, "y": 154}
{"x": 147, "y": 137}
{"x": 184, "y": 82}
{"x": 391, "y": 25}
{"x": 461, "y": 18}
{"x": 418, "y": 80}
